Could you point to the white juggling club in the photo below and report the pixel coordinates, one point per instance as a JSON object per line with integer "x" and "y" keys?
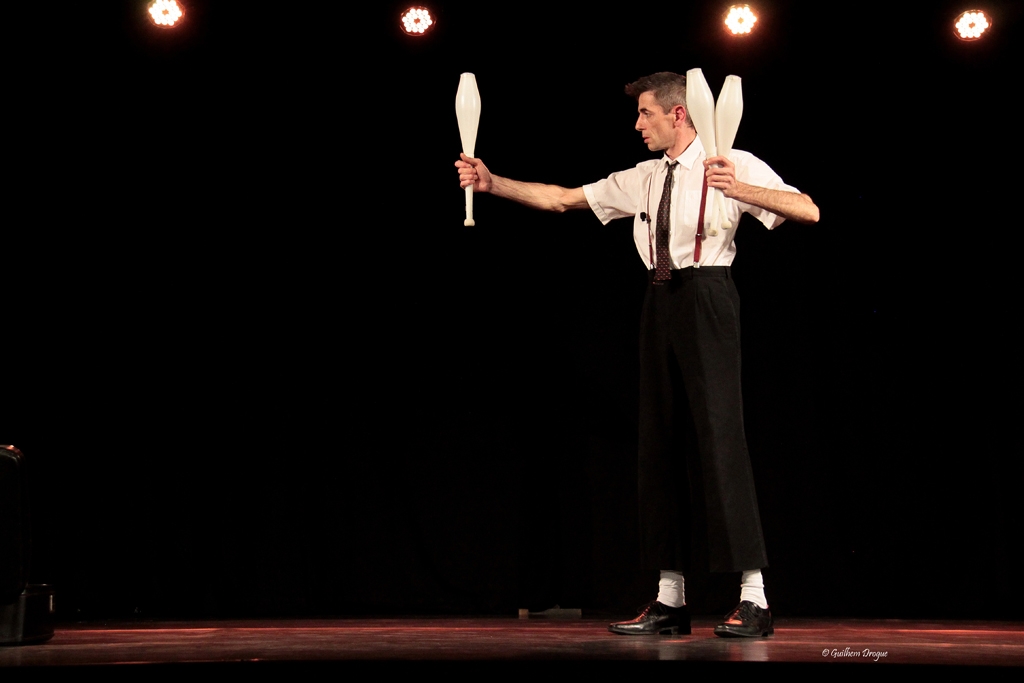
{"x": 701, "y": 108}
{"x": 728, "y": 112}
{"x": 467, "y": 109}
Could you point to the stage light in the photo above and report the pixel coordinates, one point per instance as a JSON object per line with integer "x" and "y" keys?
{"x": 740, "y": 19}
{"x": 416, "y": 21}
{"x": 166, "y": 13}
{"x": 971, "y": 25}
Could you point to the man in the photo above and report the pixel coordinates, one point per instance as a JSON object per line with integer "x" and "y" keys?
{"x": 689, "y": 344}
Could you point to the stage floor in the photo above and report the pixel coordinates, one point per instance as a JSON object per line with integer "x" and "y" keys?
{"x": 985, "y": 647}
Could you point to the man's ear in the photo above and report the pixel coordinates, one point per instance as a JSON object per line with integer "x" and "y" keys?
{"x": 679, "y": 115}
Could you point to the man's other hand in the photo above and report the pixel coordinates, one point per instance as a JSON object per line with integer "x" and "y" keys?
{"x": 724, "y": 177}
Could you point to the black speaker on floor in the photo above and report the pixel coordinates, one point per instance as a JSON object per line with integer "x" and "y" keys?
{"x": 26, "y": 611}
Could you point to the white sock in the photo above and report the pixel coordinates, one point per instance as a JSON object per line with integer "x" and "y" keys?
{"x": 752, "y": 588}
{"x": 671, "y": 589}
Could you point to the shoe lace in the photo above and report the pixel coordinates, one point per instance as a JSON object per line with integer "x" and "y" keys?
{"x": 652, "y": 606}
{"x": 743, "y": 612}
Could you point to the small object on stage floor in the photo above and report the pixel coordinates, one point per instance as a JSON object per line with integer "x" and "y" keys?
{"x": 555, "y": 612}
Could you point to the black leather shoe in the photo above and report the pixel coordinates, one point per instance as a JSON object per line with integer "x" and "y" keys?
{"x": 656, "y": 618}
{"x": 746, "y": 621}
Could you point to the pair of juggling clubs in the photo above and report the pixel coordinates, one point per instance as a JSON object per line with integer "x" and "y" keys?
{"x": 467, "y": 109}
{"x": 716, "y": 127}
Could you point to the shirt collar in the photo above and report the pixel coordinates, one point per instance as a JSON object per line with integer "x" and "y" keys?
{"x": 689, "y": 156}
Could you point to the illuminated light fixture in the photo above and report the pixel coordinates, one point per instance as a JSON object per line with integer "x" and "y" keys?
{"x": 740, "y": 20}
{"x": 416, "y": 21}
{"x": 971, "y": 24}
{"x": 166, "y": 13}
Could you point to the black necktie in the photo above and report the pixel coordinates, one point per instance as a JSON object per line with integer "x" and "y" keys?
{"x": 663, "y": 269}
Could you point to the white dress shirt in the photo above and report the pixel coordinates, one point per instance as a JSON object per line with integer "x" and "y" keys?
{"x": 638, "y": 190}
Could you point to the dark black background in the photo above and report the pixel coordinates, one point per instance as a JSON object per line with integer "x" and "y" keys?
{"x": 258, "y": 366}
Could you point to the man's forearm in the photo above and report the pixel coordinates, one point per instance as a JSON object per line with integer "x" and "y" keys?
{"x": 789, "y": 205}
{"x": 538, "y": 195}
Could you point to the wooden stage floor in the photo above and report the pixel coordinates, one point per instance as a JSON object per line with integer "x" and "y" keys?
{"x": 968, "y": 647}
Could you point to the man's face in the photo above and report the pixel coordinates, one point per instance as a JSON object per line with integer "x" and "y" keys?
{"x": 654, "y": 123}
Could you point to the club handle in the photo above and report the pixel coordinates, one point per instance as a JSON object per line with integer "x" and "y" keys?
{"x": 720, "y": 219}
{"x": 714, "y": 202}
{"x": 469, "y": 208}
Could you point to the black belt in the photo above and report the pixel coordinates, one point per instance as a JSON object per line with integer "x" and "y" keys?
{"x": 686, "y": 274}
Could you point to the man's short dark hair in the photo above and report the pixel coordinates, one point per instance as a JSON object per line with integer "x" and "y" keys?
{"x": 669, "y": 89}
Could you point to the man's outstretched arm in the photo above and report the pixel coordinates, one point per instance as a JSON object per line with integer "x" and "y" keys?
{"x": 535, "y": 195}
{"x": 789, "y": 205}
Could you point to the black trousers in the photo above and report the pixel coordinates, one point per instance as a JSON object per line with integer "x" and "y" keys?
{"x": 690, "y": 362}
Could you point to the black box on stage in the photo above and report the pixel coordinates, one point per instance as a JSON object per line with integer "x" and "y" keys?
{"x": 29, "y": 619}
{"x": 26, "y": 611}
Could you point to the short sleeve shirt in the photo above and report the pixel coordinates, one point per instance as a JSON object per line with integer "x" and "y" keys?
{"x": 638, "y": 190}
